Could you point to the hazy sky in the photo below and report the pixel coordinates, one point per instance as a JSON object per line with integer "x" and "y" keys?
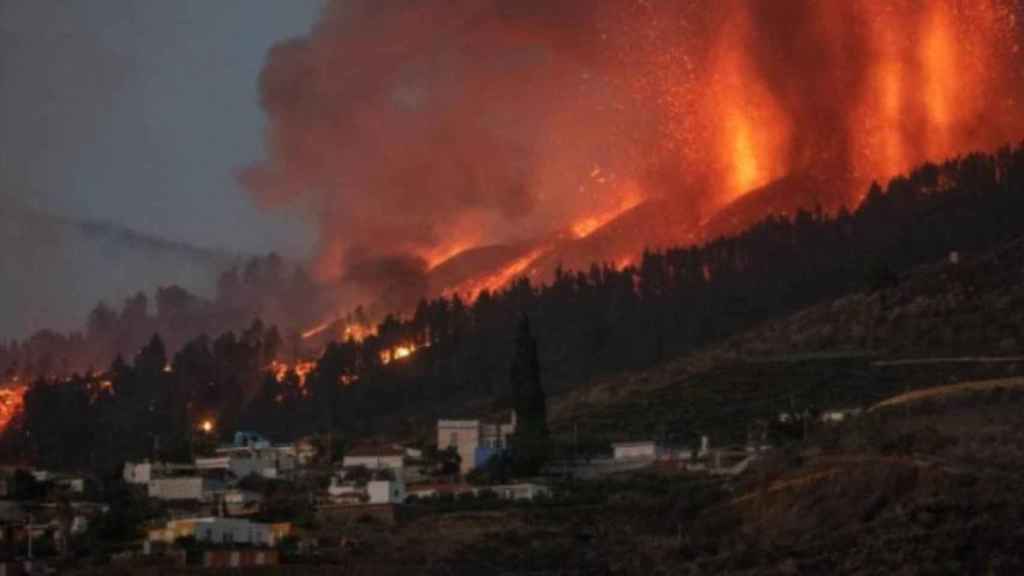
{"x": 139, "y": 112}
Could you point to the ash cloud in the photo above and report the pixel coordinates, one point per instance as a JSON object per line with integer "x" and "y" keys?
{"x": 412, "y": 129}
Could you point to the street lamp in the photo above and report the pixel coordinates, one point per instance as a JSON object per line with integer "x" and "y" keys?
{"x": 206, "y": 426}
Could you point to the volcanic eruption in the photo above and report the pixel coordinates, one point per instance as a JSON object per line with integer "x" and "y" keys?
{"x": 453, "y": 146}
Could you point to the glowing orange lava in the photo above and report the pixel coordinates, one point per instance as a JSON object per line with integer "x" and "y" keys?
{"x": 750, "y": 129}
{"x": 630, "y": 198}
{"x": 940, "y": 59}
{"x": 937, "y": 85}
{"x": 503, "y": 277}
{"x": 442, "y": 254}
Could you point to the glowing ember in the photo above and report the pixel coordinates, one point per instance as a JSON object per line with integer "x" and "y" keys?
{"x": 206, "y": 425}
{"x": 397, "y": 353}
{"x": 623, "y": 263}
{"x": 302, "y": 370}
{"x": 358, "y": 332}
{"x": 12, "y": 399}
{"x": 316, "y": 330}
{"x": 352, "y": 331}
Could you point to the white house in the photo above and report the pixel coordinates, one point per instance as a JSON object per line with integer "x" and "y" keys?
{"x": 137, "y": 472}
{"x": 646, "y": 450}
{"x": 523, "y": 491}
{"x": 386, "y": 491}
{"x": 143, "y": 472}
{"x": 373, "y": 457}
{"x": 302, "y": 451}
{"x": 194, "y": 488}
{"x": 74, "y": 484}
{"x": 242, "y": 462}
{"x": 475, "y": 440}
{"x": 242, "y": 502}
{"x": 254, "y": 440}
{"x": 221, "y": 531}
{"x": 839, "y": 416}
{"x": 341, "y": 491}
{"x": 464, "y": 436}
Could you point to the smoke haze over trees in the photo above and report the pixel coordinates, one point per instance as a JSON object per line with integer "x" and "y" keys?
{"x": 263, "y": 287}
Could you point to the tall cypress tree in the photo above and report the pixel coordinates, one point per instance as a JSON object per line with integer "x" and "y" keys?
{"x": 529, "y": 400}
{"x": 530, "y": 445}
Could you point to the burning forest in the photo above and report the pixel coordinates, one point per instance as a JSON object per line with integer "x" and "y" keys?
{"x": 451, "y": 148}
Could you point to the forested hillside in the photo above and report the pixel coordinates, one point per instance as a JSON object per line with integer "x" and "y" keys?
{"x": 589, "y": 324}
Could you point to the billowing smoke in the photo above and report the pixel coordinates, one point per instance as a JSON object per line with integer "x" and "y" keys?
{"x": 419, "y": 129}
{"x": 414, "y": 130}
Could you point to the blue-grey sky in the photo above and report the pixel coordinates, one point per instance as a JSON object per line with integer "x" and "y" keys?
{"x": 137, "y": 112}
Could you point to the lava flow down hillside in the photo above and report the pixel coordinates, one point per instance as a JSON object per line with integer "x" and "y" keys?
{"x": 453, "y": 146}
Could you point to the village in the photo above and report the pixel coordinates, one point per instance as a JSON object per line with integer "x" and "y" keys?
{"x": 251, "y": 502}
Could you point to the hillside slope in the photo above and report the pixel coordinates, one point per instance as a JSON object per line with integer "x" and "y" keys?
{"x": 973, "y": 307}
{"x": 940, "y": 324}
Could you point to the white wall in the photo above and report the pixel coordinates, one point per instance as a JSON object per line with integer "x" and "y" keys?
{"x": 182, "y": 488}
{"x": 635, "y": 451}
{"x": 464, "y": 435}
{"x": 138, "y": 472}
{"x": 228, "y": 530}
{"x": 386, "y": 492}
